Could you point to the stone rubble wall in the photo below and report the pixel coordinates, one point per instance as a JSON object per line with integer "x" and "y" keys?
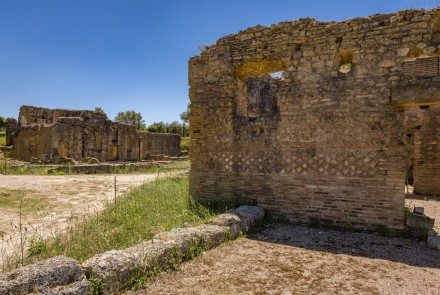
{"x": 46, "y": 134}
{"x": 325, "y": 139}
{"x": 115, "y": 269}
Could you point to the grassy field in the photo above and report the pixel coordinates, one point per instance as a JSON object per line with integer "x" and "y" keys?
{"x": 146, "y": 210}
{"x": 2, "y": 138}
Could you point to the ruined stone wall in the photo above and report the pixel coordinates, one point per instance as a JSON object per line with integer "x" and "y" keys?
{"x": 159, "y": 144}
{"x": 324, "y": 140}
{"x": 67, "y": 138}
{"x": 427, "y": 153}
{"x": 11, "y": 128}
{"x": 52, "y": 133}
{"x": 32, "y": 141}
{"x": 127, "y": 141}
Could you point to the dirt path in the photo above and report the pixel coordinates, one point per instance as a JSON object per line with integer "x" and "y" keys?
{"x": 299, "y": 260}
{"x": 51, "y": 202}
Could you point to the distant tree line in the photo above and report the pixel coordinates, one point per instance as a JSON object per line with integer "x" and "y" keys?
{"x": 175, "y": 127}
{"x": 135, "y": 119}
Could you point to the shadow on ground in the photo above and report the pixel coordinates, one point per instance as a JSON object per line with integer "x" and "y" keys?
{"x": 369, "y": 245}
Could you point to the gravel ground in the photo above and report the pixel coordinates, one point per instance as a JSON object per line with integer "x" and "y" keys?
{"x": 286, "y": 259}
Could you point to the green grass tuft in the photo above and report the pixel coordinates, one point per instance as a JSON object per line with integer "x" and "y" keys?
{"x": 2, "y": 138}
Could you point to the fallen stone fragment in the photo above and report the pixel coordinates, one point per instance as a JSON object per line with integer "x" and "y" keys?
{"x": 57, "y": 275}
{"x": 240, "y": 219}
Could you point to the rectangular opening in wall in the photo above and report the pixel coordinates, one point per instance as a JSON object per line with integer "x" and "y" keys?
{"x": 256, "y": 92}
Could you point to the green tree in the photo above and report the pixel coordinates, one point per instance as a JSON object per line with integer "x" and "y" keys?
{"x": 158, "y": 127}
{"x": 152, "y": 128}
{"x": 132, "y": 118}
{"x": 3, "y": 123}
{"x": 174, "y": 127}
{"x": 185, "y": 115}
{"x": 100, "y": 110}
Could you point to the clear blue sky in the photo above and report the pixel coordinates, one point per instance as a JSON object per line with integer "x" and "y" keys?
{"x": 133, "y": 55}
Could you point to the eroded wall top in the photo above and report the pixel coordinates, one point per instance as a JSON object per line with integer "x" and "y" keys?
{"x": 43, "y": 116}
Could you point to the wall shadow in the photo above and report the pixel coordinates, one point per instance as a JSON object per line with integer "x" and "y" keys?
{"x": 369, "y": 245}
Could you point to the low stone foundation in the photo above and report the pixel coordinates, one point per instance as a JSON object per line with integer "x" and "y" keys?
{"x": 115, "y": 269}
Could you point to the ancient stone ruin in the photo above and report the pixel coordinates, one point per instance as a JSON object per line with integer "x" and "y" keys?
{"x": 47, "y": 134}
{"x": 423, "y": 149}
{"x": 310, "y": 120}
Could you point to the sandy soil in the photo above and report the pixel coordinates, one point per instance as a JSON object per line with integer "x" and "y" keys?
{"x": 284, "y": 259}
{"x": 300, "y": 260}
{"x": 51, "y": 202}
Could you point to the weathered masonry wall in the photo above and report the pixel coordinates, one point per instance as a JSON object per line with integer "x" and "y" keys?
{"x": 323, "y": 138}
{"x": 427, "y": 152}
{"x": 11, "y": 128}
{"x": 158, "y": 143}
{"x": 45, "y": 134}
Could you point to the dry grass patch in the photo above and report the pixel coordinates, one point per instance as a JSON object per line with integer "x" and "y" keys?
{"x": 22, "y": 200}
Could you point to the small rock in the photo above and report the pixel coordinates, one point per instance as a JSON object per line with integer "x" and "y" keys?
{"x": 402, "y": 51}
{"x": 433, "y": 240}
{"x": 419, "y": 210}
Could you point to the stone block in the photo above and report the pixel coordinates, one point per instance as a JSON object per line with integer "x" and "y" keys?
{"x": 57, "y": 275}
{"x": 419, "y": 210}
{"x": 420, "y": 221}
{"x": 433, "y": 240}
{"x": 112, "y": 268}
